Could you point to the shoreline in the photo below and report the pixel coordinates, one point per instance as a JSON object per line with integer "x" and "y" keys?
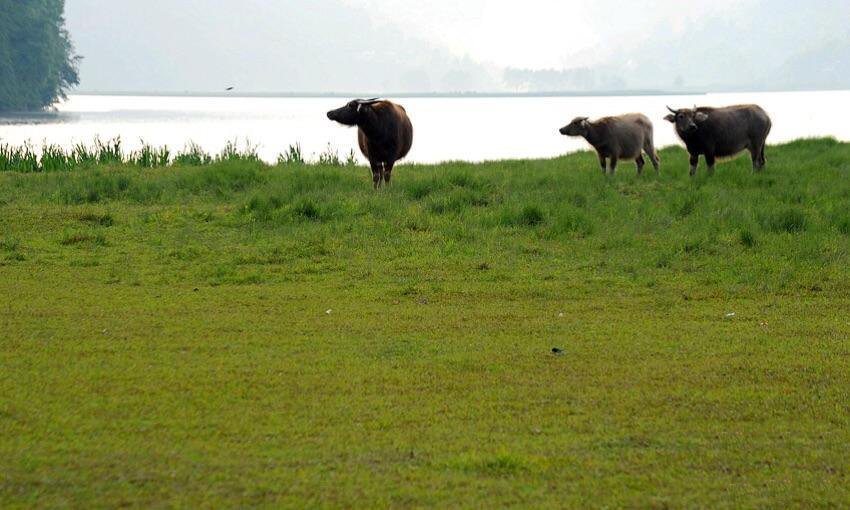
{"x": 107, "y": 152}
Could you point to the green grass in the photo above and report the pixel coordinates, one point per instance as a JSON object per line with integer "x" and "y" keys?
{"x": 237, "y": 335}
{"x": 54, "y": 158}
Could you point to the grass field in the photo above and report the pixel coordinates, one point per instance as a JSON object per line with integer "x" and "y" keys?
{"x": 245, "y": 335}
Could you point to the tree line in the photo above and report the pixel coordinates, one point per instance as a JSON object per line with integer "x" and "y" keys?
{"x": 37, "y": 60}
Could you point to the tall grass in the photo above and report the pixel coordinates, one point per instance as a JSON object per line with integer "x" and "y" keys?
{"x": 330, "y": 157}
{"x": 151, "y": 157}
{"x": 293, "y": 156}
{"x": 231, "y": 152}
{"x": 53, "y": 158}
{"x": 109, "y": 152}
{"x": 21, "y": 159}
{"x": 192, "y": 155}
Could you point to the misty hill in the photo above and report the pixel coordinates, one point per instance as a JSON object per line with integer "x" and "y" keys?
{"x": 825, "y": 67}
{"x": 258, "y": 46}
{"x": 330, "y": 46}
{"x": 768, "y": 45}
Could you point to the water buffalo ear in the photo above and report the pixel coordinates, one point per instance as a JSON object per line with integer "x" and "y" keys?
{"x": 359, "y": 107}
{"x": 670, "y": 118}
{"x": 701, "y": 117}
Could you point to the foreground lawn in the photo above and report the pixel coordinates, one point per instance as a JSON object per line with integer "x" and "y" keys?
{"x": 243, "y": 335}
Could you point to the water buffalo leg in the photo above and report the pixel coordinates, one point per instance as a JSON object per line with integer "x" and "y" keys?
{"x": 653, "y": 157}
{"x": 377, "y": 173}
{"x": 755, "y": 153}
{"x": 613, "y": 167}
{"x": 694, "y": 164}
{"x": 388, "y": 172}
{"x": 640, "y": 164}
{"x": 710, "y": 160}
{"x": 758, "y": 157}
{"x": 602, "y": 163}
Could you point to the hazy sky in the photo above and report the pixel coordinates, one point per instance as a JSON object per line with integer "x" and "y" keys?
{"x": 541, "y": 34}
{"x": 385, "y": 46}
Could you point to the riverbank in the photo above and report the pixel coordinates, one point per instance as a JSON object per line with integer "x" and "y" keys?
{"x": 239, "y": 334}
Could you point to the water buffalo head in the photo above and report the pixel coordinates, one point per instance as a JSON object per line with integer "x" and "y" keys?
{"x": 686, "y": 120}
{"x": 578, "y": 127}
{"x": 352, "y": 113}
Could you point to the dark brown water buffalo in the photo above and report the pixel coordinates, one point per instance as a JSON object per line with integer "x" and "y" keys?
{"x": 622, "y": 137}
{"x": 384, "y": 133}
{"x": 722, "y": 132}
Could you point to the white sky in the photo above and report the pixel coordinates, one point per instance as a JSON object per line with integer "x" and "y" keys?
{"x": 539, "y": 33}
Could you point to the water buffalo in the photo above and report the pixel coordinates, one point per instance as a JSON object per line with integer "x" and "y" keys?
{"x": 722, "y": 132}
{"x": 384, "y": 133}
{"x": 622, "y": 137}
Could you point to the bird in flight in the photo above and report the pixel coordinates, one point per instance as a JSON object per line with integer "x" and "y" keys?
{"x": 229, "y": 89}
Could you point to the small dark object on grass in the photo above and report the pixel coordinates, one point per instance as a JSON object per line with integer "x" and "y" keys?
{"x": 556, "y": 351}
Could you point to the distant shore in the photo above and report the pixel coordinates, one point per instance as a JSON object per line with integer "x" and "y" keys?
{"x": 462, "y": 95}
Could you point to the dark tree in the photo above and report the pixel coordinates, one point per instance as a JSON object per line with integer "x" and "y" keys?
{"x": 37, "y": 61}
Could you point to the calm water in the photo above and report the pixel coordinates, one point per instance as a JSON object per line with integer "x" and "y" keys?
{"x": 472, "y": 129}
